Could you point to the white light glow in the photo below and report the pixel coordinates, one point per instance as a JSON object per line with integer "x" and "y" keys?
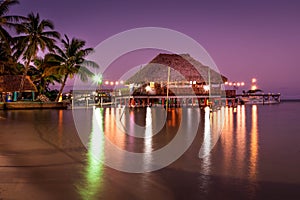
{"x": 206, "y": 87}
{"x": 148, "y": 88}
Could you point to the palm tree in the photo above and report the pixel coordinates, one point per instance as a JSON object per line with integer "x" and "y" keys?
{"x": 8, "y": 63}
{"x": 7, "y": 21}
{"x": 34, "y": 36}
{"x": 40, "y": 73}
{"x": 72, "y": 61}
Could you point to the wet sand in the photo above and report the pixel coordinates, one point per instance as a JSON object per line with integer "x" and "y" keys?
{"x": 31, "y": 167}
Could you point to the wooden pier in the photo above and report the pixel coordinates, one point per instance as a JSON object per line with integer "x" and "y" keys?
{"x": 170, "y": 101}
{"x": 183, "y": 100}
{"x": 269, "y": 98}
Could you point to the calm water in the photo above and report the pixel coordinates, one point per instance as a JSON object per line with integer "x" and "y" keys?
{"x": 257, "y": 155}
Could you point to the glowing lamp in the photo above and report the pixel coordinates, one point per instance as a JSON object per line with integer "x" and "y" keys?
{"x": 206, "y": 87}
{"x": 97, "y": 78}
{"x": 148, "y": 88}
{"x": 253, "y": 87}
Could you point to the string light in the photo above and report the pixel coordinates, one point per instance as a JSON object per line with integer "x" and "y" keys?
{"x": 113, "y": 82}
{"x": 235, "y": 84}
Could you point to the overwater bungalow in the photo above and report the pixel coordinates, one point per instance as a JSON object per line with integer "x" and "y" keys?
{"x": 185, "y": 75}
{"x": 174, "y": 75}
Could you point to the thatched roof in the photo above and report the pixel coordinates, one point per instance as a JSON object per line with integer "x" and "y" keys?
{"x": 183, "y": 68}
{"x": 11, "y": 83}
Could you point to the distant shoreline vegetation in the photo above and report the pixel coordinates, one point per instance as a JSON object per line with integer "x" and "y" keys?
{"x": 23, "y": 38}
{"x": 290, "y": 100}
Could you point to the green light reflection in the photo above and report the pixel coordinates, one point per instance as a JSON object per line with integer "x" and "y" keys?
{"x": 95, "y": 155}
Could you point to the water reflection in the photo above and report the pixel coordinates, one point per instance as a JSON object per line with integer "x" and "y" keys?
{"x": 207, "y": 141}
{"x": 227, "y": 140}
{"x": 95, "y": 155}
{"x": 237, "y": 153}
{"x": 148, "y": 131}
{"x": 113, "y": 128}
{"x": 257, "y": 156}
{"x": 253, "y": 145}
{"x": 60, "y": 127}
{"x": 240, "y": 138}
{"x": 213, "y": 124}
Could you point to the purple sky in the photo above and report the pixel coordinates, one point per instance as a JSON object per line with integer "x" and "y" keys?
{"x": 245, "y": 38}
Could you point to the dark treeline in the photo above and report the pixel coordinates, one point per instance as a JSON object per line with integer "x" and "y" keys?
{"x": 21, "y": 40}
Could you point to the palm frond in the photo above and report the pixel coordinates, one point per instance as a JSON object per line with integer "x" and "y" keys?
{"x": 4, "y": 5}
{"x": 84, "y": 73}
{"x": 92, "y": 64}
{"x": 52, "y": 34}
{"x": 15, "y": 18}
{"x": 46, "y": 24}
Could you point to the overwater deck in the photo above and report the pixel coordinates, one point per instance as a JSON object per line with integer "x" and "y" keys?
{"x": 181, "y": 98}
{"x": 171, "y": 101}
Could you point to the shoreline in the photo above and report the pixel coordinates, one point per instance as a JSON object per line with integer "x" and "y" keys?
{"x": 33, "y": 105}
{"x": 290, "y": 100}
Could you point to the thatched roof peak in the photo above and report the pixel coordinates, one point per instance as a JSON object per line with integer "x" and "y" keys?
{"x": 183, "y": 68}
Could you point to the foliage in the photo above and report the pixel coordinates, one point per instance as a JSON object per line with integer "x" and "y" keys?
{"x": 18, "y": 53}
{"x": 51, "y": 94}
{"x": 71, "y": 59}
{"x": 34, "y": 36}
{"x": 8, "y": 63}
{"x": 8, "y": 21}
{"x": 40, "y": 73}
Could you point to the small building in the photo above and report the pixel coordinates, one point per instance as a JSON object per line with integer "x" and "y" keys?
{"x": 10, "y": 85}
{"x": 175, "y": 80}
{"x": 186, "y": 76}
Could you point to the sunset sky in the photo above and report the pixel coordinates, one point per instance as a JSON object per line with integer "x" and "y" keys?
{"x": 245, "y": 38}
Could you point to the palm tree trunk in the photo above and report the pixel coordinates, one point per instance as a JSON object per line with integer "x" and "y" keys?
{"x": 62, "y": 88}
{"x": 24, "y": 75}
{"x": 42, "y": 85}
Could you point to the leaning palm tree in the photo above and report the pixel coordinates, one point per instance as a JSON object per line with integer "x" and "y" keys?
{"x": 72, "y": 61}
{"x": 35, "y": 35}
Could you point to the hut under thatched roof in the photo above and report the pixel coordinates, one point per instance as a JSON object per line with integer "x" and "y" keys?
{"x": 183, "y": 67}
{"x": 11, "y": 83}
